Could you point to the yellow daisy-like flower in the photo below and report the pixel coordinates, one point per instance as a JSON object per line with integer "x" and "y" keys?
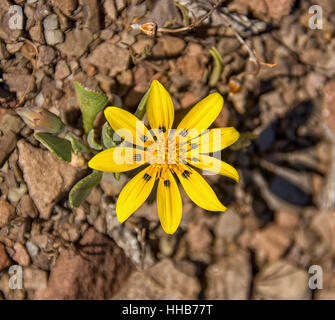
{"x": 169, "y": 153}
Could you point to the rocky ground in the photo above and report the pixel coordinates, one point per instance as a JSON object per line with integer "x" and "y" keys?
{"x": 280, "y": 219}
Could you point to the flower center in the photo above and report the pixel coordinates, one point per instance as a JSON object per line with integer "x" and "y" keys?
{"x": 166, "y": 150}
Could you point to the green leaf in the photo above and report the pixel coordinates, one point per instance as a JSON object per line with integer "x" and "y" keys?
{"x": 117, "y": 175}
{"x": 141, "y": 109}
{"x": 59, "y": 146}
{"x": 91, "y": 103}
{"x": 91, "y": 141}
{"x": 184, "y": 11}
{"x": 77, "y": 145}
{"x": 82, "y": 189}
{"x": 218, "y": 65}
{"x": 107, "y": 136}
{"x": 244, "y": 140}
{"x": 107, "y": 140}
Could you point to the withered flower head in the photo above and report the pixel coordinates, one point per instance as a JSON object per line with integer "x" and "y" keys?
{"x": 40, "y": 119}
{"x": 149, "y": 28}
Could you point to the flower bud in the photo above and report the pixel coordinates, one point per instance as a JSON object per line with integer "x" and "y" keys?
{"x": 40, "y": 119}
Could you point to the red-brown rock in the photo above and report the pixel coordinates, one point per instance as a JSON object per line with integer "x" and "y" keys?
{"x": 266, "y": 9}
{"x": 7, "y": 212}
{"x": 96, "y": 272}
{"x": 4, "y": 259}
{"x": 47, "y": 177}
{"x": 162, "y": 281}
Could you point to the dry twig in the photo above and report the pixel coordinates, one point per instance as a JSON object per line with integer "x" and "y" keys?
{"x": 151, "y": 29}
{"x": 33, "y": 60}
{"x": 252, "y": 54}
{"x": 194, "y": 24}
{"x": 141, "y": 235}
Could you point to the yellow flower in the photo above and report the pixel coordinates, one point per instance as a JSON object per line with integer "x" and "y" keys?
{"x": 169, "y": 153}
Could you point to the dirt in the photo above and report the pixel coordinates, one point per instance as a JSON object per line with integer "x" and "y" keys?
{"x": 280, "y": 218}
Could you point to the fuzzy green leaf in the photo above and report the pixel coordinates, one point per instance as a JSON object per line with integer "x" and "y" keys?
{"x": 82, "y": 189}
{"x": 91, "y": 103}
{"x": 77, "y": 145}
{"x": 92, "y": 142}
{"x": 59, "y": 146}
{"x": 141, "y": 109}
{"x": 107, "y": 140}
{"x": 107, "y": 136}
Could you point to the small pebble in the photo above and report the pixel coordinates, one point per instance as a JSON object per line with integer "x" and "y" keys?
{"x": 51, "y": 22}
{"x": 15, "y": 194}
{"x": 32, "y": 248}
{"x": 53, "y": 37}
{"x": 39, "y": 100}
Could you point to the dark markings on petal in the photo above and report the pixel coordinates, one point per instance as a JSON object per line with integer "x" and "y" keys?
{"x": 186, "y": 174}
{"x": 144, "y": 138}
{"x": 155, "y": 138}
{"x": 183, "y": 133}
{"x": 167, "y": 183}
{"x": 138, "y": 157}
{"x": 127, "y": 144}
{"x": 146, "y": 177}
{"x": 162, "y": 129}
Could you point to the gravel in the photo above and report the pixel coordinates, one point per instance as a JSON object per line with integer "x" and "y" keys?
{"x": 279, "y": 220}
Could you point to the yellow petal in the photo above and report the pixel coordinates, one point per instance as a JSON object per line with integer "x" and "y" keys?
{"x": 214, "y": 140}
{"x": 127, "y": 126}
{"x": 199, "y": 190}
{"x": 202, "y": 115}
{"x": 169, "y": 204}
{"x": 118, "y": 159}
{"x": 160, "y": 110}
{"x": 134, "y": 193}
{"x": 215, "y": 165}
